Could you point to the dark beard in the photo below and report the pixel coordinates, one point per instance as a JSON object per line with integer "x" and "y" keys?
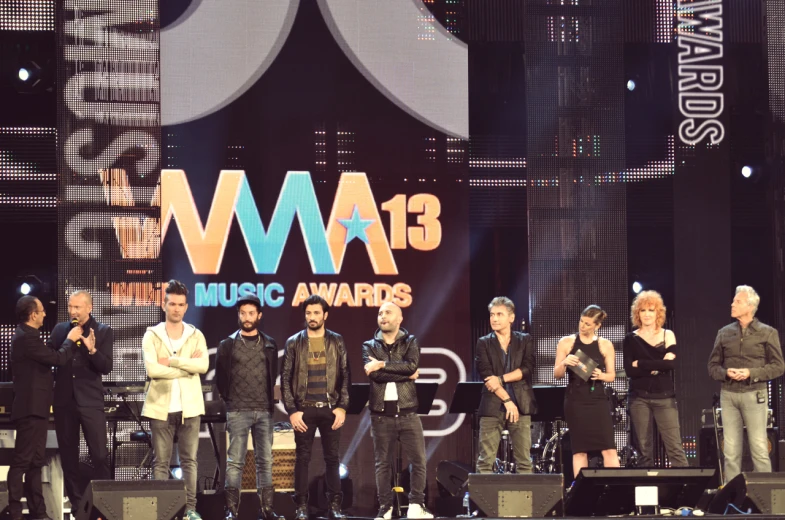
{"x": 242, "y": 325}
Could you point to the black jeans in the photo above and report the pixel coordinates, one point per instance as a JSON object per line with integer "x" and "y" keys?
{"x": 665, "y": 413}
{"x": 321, "y": 419}
{"x": 68, "y": 419}
{"x": 407, "y": 429}
{"x": 29, "y": 457}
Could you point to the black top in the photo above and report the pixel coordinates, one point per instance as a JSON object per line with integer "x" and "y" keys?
{"x": 593, "y": 387}
{"x": 248, "y": 386}
{"x": 80, "y": 379}
{"x": 650, "y": 358}
{"x": 224, "y": 362}
{"x": 31, "y": 368}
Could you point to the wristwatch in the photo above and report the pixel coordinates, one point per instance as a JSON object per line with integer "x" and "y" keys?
{"x": 508, "y": 400}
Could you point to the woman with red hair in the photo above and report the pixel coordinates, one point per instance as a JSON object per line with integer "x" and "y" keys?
{"x": 649, "y": 360}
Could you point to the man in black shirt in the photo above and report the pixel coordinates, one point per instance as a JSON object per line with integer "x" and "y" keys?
{"x": 31, "y": 367}
{"x": 315, "y": 383}
{"x": 246, "y": 368}
{"x": 392, "y": 359}
{"x": 79, "y": 394}
{"x": 506, "y": 361}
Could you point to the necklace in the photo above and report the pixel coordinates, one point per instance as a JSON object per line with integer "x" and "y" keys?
{"x": 252, "y": 345}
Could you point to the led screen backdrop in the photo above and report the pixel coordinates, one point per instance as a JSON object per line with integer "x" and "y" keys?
{"x": 330, "y": 174}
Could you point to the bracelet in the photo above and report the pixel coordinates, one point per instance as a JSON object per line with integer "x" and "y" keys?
{"x": 501, "y": 380}
{"x": 508, "y": 400}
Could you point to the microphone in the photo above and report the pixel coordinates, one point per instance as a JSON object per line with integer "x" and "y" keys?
{"x": 75, "y": 323}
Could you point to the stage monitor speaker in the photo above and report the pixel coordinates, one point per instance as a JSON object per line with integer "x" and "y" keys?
{"x": 451, "y": 477}
{"x": 762, "y": 492}
{"x": 611, "y": 491}
{"x": 517, "y": 496}
{"x": 133, "y": 500}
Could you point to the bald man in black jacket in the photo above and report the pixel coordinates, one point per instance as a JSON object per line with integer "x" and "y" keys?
{"x": 31, "y": 367}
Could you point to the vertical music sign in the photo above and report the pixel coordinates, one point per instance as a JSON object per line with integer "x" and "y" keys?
{"x": 109, "y": 147}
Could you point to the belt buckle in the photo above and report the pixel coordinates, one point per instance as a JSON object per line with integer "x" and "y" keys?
{"x": 320, "y": 404}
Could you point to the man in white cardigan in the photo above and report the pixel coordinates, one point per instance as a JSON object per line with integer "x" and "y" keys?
{"x": 175, "y": 354}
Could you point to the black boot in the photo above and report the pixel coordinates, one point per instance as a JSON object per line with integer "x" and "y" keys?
{"x": 334, "y": 508}
{"x": 266, "y": 497}
{"x": 302, "y": 507}
{"x": 232, "y": 504}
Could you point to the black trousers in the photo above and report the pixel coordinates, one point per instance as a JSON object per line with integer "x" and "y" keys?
{"x": 68, "y": 419}
{"x": 29, "y": 458}
{"x": 321, "y": 419}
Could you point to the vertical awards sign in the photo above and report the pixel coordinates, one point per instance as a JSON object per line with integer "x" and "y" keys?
{"x": 699, "y": 35}
{"x": 109, "y": 140}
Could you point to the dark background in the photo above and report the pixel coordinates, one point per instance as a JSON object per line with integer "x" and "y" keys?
{"x": 695, "y": 228}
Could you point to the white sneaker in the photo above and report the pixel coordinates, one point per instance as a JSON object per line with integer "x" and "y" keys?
{"x": 385, "y": 513}
{"x": 418, "y": 511}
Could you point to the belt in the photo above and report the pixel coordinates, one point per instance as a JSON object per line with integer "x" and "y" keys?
{"x": 315, "y": 404}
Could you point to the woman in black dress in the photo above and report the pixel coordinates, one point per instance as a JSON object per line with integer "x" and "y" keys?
{"x": 586, "y": 405}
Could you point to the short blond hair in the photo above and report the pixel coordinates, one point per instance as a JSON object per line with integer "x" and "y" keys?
{"x": 85, "y": 293}
{"x": 646, "y": 299}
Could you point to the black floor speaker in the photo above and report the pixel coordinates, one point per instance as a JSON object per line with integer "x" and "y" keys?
{"x": 517, "y": 496}
{"x": 757, "y": 492}
{"x": 132, "y": 500}
{"x": 611, "y": 491}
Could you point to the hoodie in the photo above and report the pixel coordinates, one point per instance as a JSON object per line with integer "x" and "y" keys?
{"x": 184, "y": 369}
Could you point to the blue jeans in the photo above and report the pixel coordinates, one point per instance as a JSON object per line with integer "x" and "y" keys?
{"x": 406, "y": 429}
{"x": 238, "y": 424}
{"x": 740, "y": 409}
{"x": 187, "y": 431}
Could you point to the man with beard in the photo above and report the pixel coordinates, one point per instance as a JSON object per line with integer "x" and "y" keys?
{"x": 79, "y": 394}
{"x": 391, "y": 361}
{"x": 315, "y": 386}
{"x": 246, "y": 368}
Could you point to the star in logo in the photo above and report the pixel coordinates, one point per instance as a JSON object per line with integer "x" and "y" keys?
{"x": 355, "y": 226}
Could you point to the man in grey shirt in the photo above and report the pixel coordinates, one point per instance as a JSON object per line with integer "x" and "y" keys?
{"x": 746, "y": 355}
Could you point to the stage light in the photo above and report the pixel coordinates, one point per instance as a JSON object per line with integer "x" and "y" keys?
{"x": 177, "y": 473}
{"x": 24, "y": 74}
{"x": 637, "y": 287}
{"x": 343, "y": 471}
{"x": 631, "y": 85}
{"x": 25, "y": 288}
{"x": 746, "y": 171}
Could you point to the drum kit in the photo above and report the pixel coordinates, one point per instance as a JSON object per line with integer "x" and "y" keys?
{"x": 550, "y": 450}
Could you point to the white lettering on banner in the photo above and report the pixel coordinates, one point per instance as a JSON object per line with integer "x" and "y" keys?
{"x": 700, "y": 40}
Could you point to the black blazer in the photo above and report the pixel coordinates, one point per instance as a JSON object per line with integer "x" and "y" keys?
{"x": 31, "y": 366}
{"x": 80, "y": 379}
{"x": 488, "y": 357}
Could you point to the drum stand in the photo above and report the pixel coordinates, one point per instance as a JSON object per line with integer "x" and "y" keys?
{"x": 505, "y": 464}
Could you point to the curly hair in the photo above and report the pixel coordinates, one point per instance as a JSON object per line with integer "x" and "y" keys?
{"x": 646, "y": 299}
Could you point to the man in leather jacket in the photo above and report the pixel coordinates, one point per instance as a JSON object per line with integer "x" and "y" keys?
{"x": 391, "y": 362}
{"x": 506, "y": 361}
{"x": 246, "y": 368}
{"x": 315, "y": 381}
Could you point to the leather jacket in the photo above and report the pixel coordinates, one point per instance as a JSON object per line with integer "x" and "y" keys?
{"x": 294, "y": 374}
{"x": 402, "y": 359}
{"x": 223, "y": 366}
{"x": 490, "y": 362}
